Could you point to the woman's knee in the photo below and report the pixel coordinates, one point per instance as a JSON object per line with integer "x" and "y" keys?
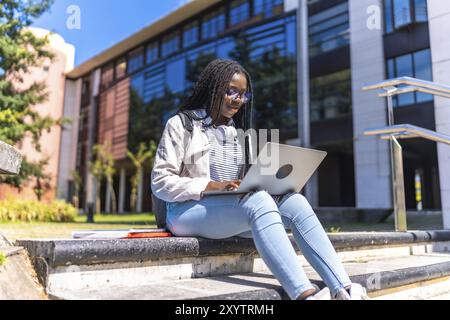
{"x": 258, "y": 203}
{"x": 295, "y": 206}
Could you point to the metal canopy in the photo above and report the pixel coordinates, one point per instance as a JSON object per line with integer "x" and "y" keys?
{"x": 394, "y": 132}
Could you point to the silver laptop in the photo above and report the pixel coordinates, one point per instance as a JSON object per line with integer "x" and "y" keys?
{"x": 279, "y": 169}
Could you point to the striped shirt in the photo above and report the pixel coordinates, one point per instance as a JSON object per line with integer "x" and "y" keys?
{"x": 225, "y": 154}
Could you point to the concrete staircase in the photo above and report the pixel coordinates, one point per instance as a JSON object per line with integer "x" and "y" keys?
{"x": 17, "y": 277}
{"x": 411, "y": 265}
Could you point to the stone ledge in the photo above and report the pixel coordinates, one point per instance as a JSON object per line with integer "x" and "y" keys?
{"x": 10, "y": 159}
{"x": 87, "y": 252}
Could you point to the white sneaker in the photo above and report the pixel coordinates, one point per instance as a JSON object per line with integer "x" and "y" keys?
{"x": 323, "y": 294}
{"x": 356, "y": 292}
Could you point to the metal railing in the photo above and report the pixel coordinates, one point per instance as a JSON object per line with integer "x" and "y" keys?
{"x": 394, "y": 132}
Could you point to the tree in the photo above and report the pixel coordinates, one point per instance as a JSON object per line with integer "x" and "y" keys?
{"x": 274, "y": 83}
{"x": 143, "y": 155}
{"x": 77, "y": 181}
{"x": 20, "y": 51}
{"x": 42, "y": 181}
{"x": 102, "y": 167}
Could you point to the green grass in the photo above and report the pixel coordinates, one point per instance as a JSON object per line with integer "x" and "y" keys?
{"x": 63, "y": 230}
{"x": 22, "y": 230}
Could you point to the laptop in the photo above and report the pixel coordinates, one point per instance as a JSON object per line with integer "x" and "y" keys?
{"x": 279, "y": 169}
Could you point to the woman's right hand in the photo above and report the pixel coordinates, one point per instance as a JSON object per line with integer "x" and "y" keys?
{"x": 223, "y": 185}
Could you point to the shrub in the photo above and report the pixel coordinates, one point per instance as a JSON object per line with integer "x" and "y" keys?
{"x": 2, "y": 258}
{"x": 30, "y": 210}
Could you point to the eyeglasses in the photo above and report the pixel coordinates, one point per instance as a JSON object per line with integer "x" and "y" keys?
{"x": 234, "y": 94}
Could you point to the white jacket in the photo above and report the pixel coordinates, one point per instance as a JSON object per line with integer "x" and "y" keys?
{"x": 181, "y": 168}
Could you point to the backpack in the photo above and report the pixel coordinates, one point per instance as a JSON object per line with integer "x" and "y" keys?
{"x": 158, "y": 205}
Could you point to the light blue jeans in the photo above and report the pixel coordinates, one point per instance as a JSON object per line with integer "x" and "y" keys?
{"x": 260, "y": 217}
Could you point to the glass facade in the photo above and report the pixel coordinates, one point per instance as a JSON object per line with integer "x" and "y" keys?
{"x": 329, "y": 29}
{"x": 170, "y": 44}
{"x": 213, "y": 24}
{"x": 267, "y": 8}
{"x": 135, "y": 60}
{"x": 258, "y": 33}
{"x": 417, "y": 65}
{"x": 239, "y": 12}
{"x": 331, "y": 96}
{"x": 267, "y": 51}
{"x": 190, "y": 35}
{"x": 399, "y": 13}
{"x": 152, "y": 53}
{"x": 421, "y": 13}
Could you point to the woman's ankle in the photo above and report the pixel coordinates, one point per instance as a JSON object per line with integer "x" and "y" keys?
{"x": 306, "y": 294}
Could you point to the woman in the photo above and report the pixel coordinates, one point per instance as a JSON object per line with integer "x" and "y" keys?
{"x": 189, "y": 163}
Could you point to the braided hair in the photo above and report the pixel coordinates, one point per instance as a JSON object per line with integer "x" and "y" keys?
{"x": 210, "y": 89}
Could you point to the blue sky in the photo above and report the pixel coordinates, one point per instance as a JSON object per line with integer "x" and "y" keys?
{"x": 103, "y": 22}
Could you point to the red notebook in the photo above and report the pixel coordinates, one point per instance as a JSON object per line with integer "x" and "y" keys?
{"x": 121, "y": 234}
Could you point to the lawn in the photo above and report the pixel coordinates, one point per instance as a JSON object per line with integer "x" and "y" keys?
{"x": 21, "y": 230}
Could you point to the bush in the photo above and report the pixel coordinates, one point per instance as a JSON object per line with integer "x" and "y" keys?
{"x": 2, "y": 258}
{"x": 31, "y": 210}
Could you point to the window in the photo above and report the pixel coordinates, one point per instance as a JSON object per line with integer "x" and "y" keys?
{"x": 267, "y": 8}
{"x": 170, "y": 44}
{"x": 190, "y": 35}
{"x": 420, "y": 7}
{"x": 417, "y": 65}
{"x": 388, "y": 23}
{"x": 239, "y": 12}
{"x": 175, "y": 75}
{"x": 86, "y": 91}
{"x": 331, "y": 95}
{"x": 135, "y": 60}
{"x": 402, "y": 13}
{"x": 107, "y": 77}
{"x": 399, "y": 13}
{"x": 121, "y": 68}
{"x": 154, "y": 83}
{"x": 329, "y": 29}
{"x": 213, "y": 24}
{"x": 224, "y": 49}
{"x": 265, "y": 49}
{"x": 152, "y": 53}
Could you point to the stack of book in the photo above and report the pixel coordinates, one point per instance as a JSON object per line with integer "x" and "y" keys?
{"x": 121, "y": 234}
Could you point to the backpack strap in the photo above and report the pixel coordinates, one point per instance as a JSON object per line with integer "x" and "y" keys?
{"x": 187, "y": 118}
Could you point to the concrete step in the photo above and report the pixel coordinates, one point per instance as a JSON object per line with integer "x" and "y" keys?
{"x": 384, "y": 278}
{"x": 434, "y": 289}
{"x": 78, "y": 265}
{"x": 18, "y": 280}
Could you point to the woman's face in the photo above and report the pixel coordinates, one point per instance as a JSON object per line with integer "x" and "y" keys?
{"x": 232, "y": 104}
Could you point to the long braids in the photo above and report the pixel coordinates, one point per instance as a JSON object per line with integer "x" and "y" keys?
{"x": 210, "y": 89}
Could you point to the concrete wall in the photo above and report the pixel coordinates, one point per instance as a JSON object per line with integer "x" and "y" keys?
{"x": 90, "y": 184}
{"x": 439, "y": 23}
{"x": 372, "y": 160}
{"x": 69, "y": 138}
